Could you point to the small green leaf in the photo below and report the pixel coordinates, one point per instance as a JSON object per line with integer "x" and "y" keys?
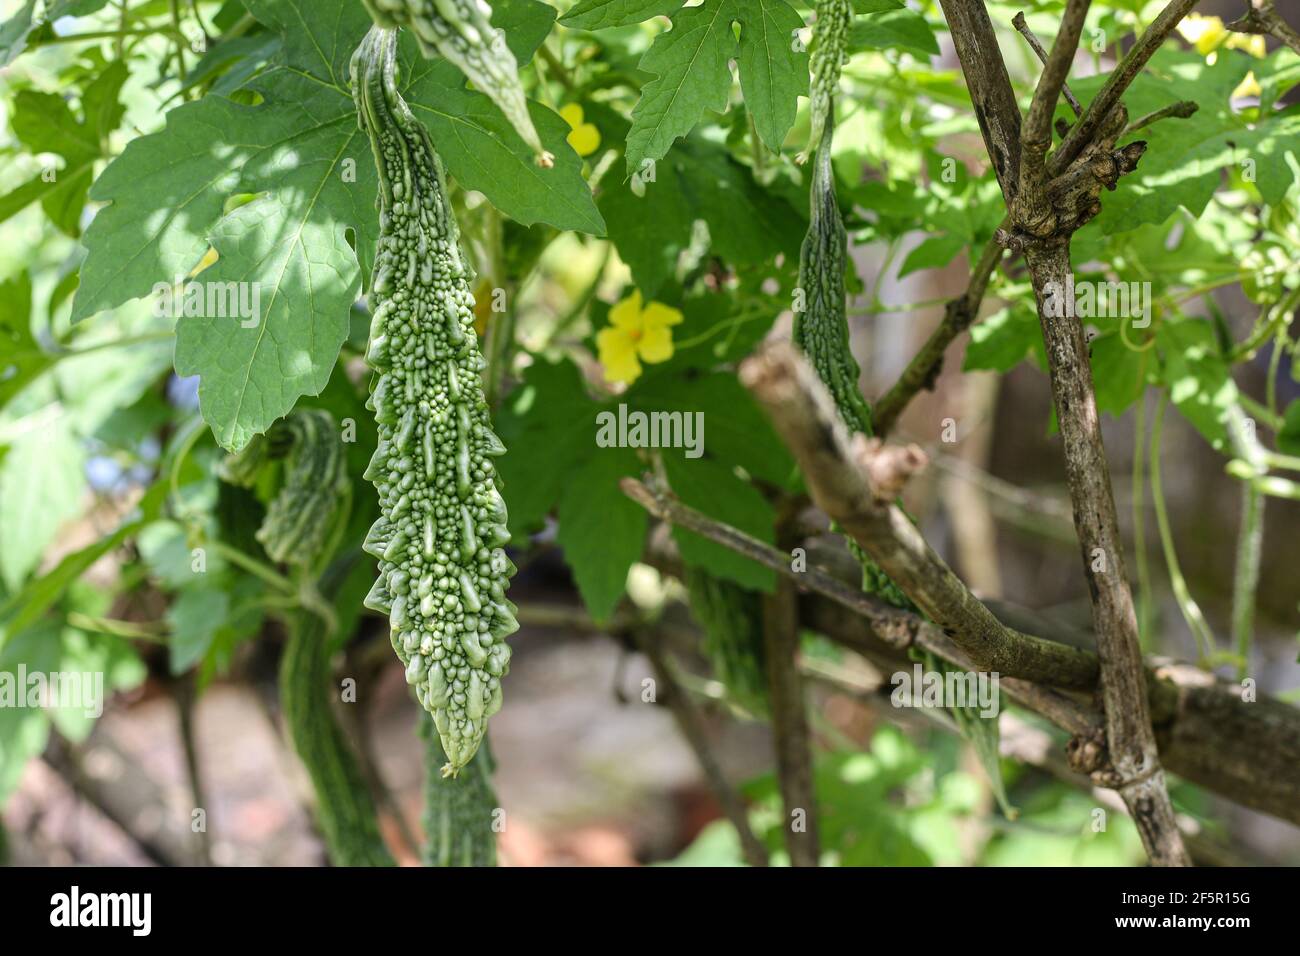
{"x": 895, "y": 30}
{"x": 603, "y": 14}
{"x": 195, "y": 617}
{"x": 934, "y": 252}
{"x": 602, "y": 531}
{"x": 711, "y": 487}
{"x": 41, "y": 483}
{"x": 690, "y": 63}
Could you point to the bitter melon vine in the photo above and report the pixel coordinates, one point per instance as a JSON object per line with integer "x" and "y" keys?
{"x": 461, "y": 32}
{"x": 442, "y": 571}
{"x": 458, "y": 812}
{"x": 305, "y": 509}
{"x": 829, "y": 50}
{"x": 732, "y": 619}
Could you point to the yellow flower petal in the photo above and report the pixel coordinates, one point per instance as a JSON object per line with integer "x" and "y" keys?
{"x": 572, "y": 114}
{"x": 1252, "y": 43}
{"x": 618, "y": 355}
{"x": 656, "y": 344}
{"x": 1249, "y": 86}
{"x": 627, "y": 313}
{"x": 1204, "y": 33}
{"x": 658, "y": 315}
{"x": 584, "y": 139}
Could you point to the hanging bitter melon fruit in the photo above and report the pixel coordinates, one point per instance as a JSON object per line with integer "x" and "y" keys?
{"x": 732, "y": 619}
{"x": 829, "y": 51}
{"x": 459, "y": 812}
{"x": 821, "y": 328}
{"x": 461, "y": 32}
{"x": 442, "y": 571}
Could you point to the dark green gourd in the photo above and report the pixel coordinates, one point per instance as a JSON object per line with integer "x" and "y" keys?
{"x": 442, "y": 571}
{"x": 829, "y": 51}
{"x": 821, "y": 328}
{"x": 344, "y": 809}
{"x": 461, "y": 32}
{"x": 732, "y": 619}
{"x": 458, "y": 811}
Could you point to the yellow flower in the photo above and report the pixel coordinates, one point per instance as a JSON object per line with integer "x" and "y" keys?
{"x": 1249, "y": 86}
{"x": 1204, "y": 33}
{"x": 1252, "y": 43}
{"x": 636, "y": 335}
{"x": 583, "y": 137}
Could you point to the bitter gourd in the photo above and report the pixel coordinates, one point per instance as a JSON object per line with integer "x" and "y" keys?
{"x": 821, "y": 328}
{"x": 732, "y": 619}
{"x": 461, "y": 32}
{"x": 442, "y": 571}
{"x": 458, "y": 811}
{"x": 829, "y": 51}
{"x": 345, "y": 811}
{"x": 313, "y": 483}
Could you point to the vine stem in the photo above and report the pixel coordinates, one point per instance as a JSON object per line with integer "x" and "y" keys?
{"x": 1191, "y": 611}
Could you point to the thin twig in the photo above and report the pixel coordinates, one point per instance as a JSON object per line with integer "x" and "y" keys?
{"x": 1182, "y": 109}
{"x": 856, "y": 484}
{"x": 924, "y": 368}
{"x": 1082, "y": 132}
{"x": 1247, "y": 752}
{"x": 790, "y": 725}
{"x": 1018, "y": 21}
{"x": 1262, "y": 17}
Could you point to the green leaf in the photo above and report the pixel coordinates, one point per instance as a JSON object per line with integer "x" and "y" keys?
{"x": 548, "y": 425}
{"x": 482, "y": 151}
{"x": 603, "y": 14}
{"x": 1001, "y": 341}
{"x": 195, "y": 617}
{"x": 1197, "y": 377}
{"x": 45, "y": 124}
{"x": 699, "y": 180}
{"x": 895, "y": 30}
{"x": 1118, "y": 373}
{"x": 1186, "y": 158}
{"x": 734, "y": 431}
{"x": 14, "y": 31}
{"x": 41, "y": 482}
{"x": 876, "y": 6}
{"x": 24, "y": 608}
{"x": 772, "y": 75}
{"x": 21, "y": 358}
{"x": 934, "y": 252}
{"x": 294, "y": 243}
{"x": 712, "y": 488}
{"x": 691, "y": 74}
{"x": 602, "y": 531}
